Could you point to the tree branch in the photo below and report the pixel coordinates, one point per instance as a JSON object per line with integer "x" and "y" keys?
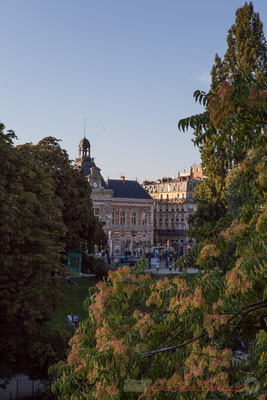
{"x": 254, "y": 121}
{"x": 136, "y": 284}
{"x": 130, "y": 306}
{"x": 173, "y": 337}
{"x": 161, "y": 350}
{"x": 244, "y": 314}
{"x": 151, "y": 353}
{"x": 262, "y": 375}
{"x": 164, "y": 344}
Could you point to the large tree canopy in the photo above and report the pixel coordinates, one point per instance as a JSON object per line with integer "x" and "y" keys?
{"x": 32, "y": 240}
{"x": 45, "y": 210}
{"x": 235, "y": 113}
{"x": 246, "y": 48}
{"x": 83, "y": 228}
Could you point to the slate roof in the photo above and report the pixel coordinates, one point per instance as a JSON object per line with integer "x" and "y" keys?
{"x": 127, "y": 189}
{"x": 104, "y": 185}
{"x": 86, "y": 167}
{"x": 84, "y": 143}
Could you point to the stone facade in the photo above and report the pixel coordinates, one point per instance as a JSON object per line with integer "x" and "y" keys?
{"x": 123, "y": 205}
{"x": 131, "y": 225}
{"x": 173, "y": 203}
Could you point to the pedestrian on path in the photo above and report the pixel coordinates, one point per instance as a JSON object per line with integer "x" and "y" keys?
{"x": 157, "y": 266}
{"x": 75, "y": 320}
{"x": 70, "y": 318}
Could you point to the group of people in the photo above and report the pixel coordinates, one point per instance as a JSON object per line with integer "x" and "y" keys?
{"x": 73, "y": 320}
{"x": 156, "y": 263}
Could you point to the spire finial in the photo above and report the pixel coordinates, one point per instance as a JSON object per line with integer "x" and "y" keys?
{"x": 84, "y": 127}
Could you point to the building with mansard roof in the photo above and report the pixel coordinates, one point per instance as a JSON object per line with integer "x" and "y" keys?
{"x": 173, "y": 203}
{"x": 123, "y": 205}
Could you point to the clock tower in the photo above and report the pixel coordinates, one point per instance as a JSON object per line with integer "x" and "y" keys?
{"x": 101, "y": 196}
{"x": 95, "y": 178}
{"x": 85, "y": 161}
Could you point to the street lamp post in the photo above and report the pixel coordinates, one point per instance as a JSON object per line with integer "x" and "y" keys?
{"x": 110, "y": 244}
{"x": 184, "y": 238}
{"x": 133, "y": 233}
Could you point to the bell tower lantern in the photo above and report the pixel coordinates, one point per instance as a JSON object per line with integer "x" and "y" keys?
{"x": 84, "y": 148}
{"x": 84, "y": 160}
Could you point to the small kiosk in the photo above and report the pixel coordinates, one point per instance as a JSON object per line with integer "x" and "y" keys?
{"x": 75, "y": 261}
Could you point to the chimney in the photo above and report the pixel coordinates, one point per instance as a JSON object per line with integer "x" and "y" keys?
{"x": 122, "y": 178}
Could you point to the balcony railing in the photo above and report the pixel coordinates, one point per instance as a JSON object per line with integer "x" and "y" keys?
{"x": 173, "y": 201}
{"x": 171, "y": 231}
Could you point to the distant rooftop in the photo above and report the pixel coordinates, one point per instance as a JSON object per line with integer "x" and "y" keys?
{"x": 123, "y": 188}
{"x": 196, "y": 173}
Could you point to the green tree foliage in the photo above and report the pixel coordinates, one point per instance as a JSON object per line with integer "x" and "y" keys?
{"x": 45, "y": 210}
{"x": 83, "y": 228}
{"x": 32, "y": 236}
{"x": 232, "y": 121}
{"x": 179, "y": 338}
{"x": 246, "y": 48}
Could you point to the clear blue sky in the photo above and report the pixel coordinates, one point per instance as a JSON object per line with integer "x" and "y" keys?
{"x": 129, "y": 66}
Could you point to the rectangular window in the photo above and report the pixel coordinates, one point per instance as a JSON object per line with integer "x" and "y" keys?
{"x": 96, "y": 212}
{"x": 144, "y": 218}
{"x": 122, "y": 218}
{"x": 133, "y": 218}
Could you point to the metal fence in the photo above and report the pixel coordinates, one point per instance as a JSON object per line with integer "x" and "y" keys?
{"x": 20, "y": 387}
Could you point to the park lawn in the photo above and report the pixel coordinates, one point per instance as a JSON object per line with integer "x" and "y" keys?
{"x": 72, "y": 298}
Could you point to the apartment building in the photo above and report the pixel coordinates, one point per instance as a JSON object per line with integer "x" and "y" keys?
{"x": 173, "y": 203}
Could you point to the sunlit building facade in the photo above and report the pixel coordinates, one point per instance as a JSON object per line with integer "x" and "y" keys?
{"x": 173, "y": 203}
{"x": 123, "y": 205}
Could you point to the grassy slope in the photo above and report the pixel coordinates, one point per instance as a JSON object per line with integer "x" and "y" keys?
{"x": 73, "y": 298}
